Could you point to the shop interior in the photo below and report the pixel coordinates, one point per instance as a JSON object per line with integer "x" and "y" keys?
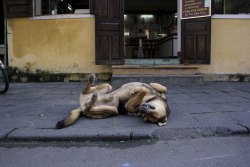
{"x": 150, "y": 29}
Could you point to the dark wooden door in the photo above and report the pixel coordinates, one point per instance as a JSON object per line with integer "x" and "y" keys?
{"x": 109, "y": 24}
{"x": 196, "y": 41}
{"x": 17, "y": 8}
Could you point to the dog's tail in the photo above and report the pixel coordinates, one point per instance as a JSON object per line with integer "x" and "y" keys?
{"x": 69, "y": 120}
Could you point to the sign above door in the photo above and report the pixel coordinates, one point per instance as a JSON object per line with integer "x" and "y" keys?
{"x": 195, "y": 8}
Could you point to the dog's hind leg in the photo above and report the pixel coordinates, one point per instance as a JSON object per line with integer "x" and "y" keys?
{"x": 69, "y": 120}
{"x": 102, "y": 112}
{"x": 133, "y": 103}
{"x": 75, "y": 114}
{"x": 87, "y": 89}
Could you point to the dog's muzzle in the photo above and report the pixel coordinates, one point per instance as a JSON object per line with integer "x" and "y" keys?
{"x": 145, "y": 107}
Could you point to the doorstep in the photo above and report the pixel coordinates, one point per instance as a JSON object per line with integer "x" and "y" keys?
{"x": 154, "y": 70}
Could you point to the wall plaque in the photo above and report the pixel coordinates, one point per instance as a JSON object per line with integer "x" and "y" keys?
{"x": 195, "y": 8}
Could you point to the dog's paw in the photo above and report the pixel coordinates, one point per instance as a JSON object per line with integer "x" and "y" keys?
{"x": 108, "y": 99}
{"x": 133, "y": 91}
{"x": 94, "y": 97}
{"x": 92, "y": 78}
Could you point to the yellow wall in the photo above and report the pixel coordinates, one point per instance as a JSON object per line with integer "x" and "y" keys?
{"x": 68, "y": 46}
{"x": 230, "y": 47}
{"x": 54, "y": 46}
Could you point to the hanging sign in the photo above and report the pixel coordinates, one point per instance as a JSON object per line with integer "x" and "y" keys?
{"x": 195, "y": 8}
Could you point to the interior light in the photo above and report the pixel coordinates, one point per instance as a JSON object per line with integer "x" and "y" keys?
{"x": 147, "y": 16}
{"x": 126, "y": 33}
{"x": 69, "y": 7}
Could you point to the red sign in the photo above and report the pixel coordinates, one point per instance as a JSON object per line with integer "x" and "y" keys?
{"x": 195, "y": 8}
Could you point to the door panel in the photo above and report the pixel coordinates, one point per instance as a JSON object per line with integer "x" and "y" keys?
{"x": 115, "y": 47}
{"x": 195, "y": 26}
{"x": 109, "y": 32}
{"x": 196, "y": 39}
{"x": 17, "y": 8}
{"x": 115, "y": 11}
{"x": 103, "y": 42}
{"x": 109, "y": 27}
{"x": 201, "y": 47}
{"x": 188, "y": 47}
{"x": 103, "y": 7}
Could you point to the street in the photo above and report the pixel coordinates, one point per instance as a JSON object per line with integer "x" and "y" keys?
{"x": 206, "y": 152}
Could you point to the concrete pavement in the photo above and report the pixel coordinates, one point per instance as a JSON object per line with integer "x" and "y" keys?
{"x": 30, "y": 111}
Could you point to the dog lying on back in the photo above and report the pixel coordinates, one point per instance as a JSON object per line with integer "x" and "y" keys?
{"x": 136, "y": 98}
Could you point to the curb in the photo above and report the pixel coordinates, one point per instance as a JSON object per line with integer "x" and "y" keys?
{"x": 122, "y": 134}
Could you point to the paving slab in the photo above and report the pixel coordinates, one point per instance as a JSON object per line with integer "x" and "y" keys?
{"x": 16, "y": 121}
{"x": 195, "y": 108}
{"x": 243, "y": 118}
{"x": 4, "y": 132}
{"x": 224, "y": 107}
{"x": 213, "y": 118}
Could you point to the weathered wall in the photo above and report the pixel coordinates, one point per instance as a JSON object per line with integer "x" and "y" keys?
{"x": 53, "y": 46}
{"x": 230, "y": 47}
{"x": 68, "y": 46}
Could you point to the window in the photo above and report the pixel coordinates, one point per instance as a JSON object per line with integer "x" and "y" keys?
{"x": 53, "y": 7}
{"x": 231, "y": 6}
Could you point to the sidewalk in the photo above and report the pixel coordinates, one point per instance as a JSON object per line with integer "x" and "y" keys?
{"x": 30, "y": 111}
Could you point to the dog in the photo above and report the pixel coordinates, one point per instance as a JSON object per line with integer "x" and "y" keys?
{"x": 135, "y": 98}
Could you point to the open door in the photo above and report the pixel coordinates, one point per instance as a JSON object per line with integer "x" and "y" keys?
{"x": 17, "y": 8}
{"x": 109, "y": 24}
{"x": 196, "y": 40}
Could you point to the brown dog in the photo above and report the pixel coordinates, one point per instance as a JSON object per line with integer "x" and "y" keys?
{"x": 138, "y": 99}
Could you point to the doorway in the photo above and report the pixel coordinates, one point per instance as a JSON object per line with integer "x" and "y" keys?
{"x": 150, "y": 32}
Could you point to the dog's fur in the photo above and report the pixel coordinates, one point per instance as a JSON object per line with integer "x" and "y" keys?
{"x": 136, "y": 98}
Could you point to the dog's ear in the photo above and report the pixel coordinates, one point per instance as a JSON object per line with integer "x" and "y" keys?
{"x": 159, "y": 87}
{"x": 162, "y": 123}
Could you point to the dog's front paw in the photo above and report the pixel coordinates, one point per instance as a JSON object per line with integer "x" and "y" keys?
{"x": 94, "y": 97}
{"x": 108, "y": 99}
{"x": 133, "y": 91}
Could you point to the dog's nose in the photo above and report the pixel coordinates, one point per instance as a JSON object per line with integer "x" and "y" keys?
{"x": 143, "y": 108}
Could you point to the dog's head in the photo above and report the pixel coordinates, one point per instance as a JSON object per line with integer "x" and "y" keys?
{"x": 155, "y": 111}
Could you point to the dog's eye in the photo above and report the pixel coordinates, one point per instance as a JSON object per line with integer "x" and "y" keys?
{"x": 151, "y": 107}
